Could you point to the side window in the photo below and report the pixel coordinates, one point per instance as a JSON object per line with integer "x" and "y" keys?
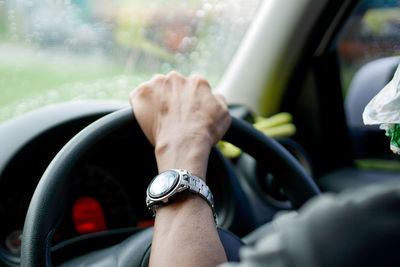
{"x": 372, "y": 32}
{"x": 369, "y": 52}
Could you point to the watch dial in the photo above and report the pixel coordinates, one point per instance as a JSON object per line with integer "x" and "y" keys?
{"x": 163, "y": 183}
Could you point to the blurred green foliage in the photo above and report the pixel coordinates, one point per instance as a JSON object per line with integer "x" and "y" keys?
{"x": 377, "y": 19}
{"x": 25, "y": 80}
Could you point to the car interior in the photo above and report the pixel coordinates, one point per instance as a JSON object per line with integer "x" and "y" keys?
{"x": 67, "y": 164}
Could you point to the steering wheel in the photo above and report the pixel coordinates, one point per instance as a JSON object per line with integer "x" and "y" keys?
{"x": 49, "y": 199}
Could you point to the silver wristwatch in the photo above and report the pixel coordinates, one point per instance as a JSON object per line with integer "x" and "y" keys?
{"x": 167, "y": 184}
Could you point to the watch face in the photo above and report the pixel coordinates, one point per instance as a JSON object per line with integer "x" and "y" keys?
{"x": 163, "y": 183}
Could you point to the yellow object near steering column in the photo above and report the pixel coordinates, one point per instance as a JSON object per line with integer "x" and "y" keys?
{"x": 279, "y": 125}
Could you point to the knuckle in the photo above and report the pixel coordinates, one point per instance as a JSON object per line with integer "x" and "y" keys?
{"x": 209, "y": 122}
{"x": 220, "y": 97}
{"x": 199, "y": 81}
{"x": 225, "y": 111}
{"x": 142, "y": 90}
{"x": 222, "y": 103}
{"x": 174, "y": 75}
{"x": 159, "y": 78}
{"x": 204, "y": 83}
{"x": 224, "y": 114}
{"x": 175, "y": 78}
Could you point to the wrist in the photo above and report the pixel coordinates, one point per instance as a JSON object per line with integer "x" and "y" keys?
{"x": 188, "y": 205}
{"x": 189, "y": 153}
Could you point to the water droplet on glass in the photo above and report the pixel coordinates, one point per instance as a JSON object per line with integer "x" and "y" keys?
{"x": 220, "y": 7}
{"x": 200, "y": 13}
{"x": 11, "y": 15}
{"x": 207, "y": 6}
{"x": 166, "y": 67}
{"x": 194, "y": 56}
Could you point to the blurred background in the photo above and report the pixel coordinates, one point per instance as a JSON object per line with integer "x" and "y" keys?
{"x": 372, "y": 32}
{"x": 58, "y": 50}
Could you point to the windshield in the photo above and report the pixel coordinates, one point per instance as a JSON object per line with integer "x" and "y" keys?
{"x": 61, "y": 50}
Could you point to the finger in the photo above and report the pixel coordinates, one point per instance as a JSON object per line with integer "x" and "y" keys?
{"x": 144, "y": 90}
{"x": 220, "y": 98}
{"x": 226, "y": 121}
{"x": 158, "y": 78}
{"x": 158, "y": 81}
{"x": 199, "y": 81}
{"x": 175, "y": 79}
{"x": 173, "y": 75}
{"x": 222, "y": 101}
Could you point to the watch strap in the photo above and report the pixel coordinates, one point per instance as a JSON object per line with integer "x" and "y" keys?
{"x": 197, "y": 185}
{"x": 187, "y": 182}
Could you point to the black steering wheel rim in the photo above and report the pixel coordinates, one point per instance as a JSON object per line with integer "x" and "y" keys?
{"x": 48, "y": 201}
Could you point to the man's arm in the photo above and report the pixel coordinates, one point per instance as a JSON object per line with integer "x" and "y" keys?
{"x": 183, "y": 119}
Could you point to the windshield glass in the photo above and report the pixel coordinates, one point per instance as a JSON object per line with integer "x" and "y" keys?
{"x": 60, "y": 50}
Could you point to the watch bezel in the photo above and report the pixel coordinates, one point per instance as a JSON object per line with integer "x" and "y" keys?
{"x": 170, "y": 191}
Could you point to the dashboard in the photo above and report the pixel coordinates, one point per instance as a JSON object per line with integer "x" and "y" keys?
{"x": 106, "y": 198}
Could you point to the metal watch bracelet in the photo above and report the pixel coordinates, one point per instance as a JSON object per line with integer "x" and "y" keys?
{"x": 187, "y": 182}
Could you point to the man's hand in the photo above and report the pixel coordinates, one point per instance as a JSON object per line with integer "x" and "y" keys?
{"x": 182, "y": 116}
{"x": 183, "y": 119}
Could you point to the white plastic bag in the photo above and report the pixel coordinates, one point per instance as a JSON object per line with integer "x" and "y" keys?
{"x": 384, "y": 109}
